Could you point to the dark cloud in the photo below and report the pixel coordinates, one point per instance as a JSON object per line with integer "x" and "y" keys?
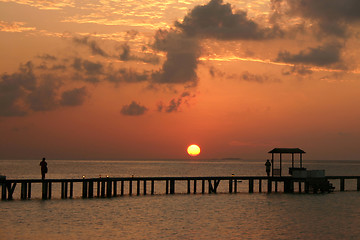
{"x": 244, "y": 76}
{"x": 23, "y": 92}
{"x": 126, "y": 75}
{"x": 181, "y": 45}
{"x": 298, "y": 70}
{"x": 249, "y": 77}
{"x": 91, "y": 69}
{"x": 133, "y": 109}
{"x": 58, "y": 67}
{"x": 125, "y": 55}
{"x": 175, "y": 103}
{"x": 47, "y": 57}
{"x": 217, "y": 20}
{"x": 13, "y": 89}
{"x": 92, "y": 44}
{"x": 326, "y": 55}
{"x": 74, "y": 97}
{"x": 332, "y": 16}
{"x": 43, "y": 98}
{"x": 182, "y": 55}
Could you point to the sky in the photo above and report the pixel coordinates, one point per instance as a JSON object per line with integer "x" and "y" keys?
{"x": 145, "y": 79}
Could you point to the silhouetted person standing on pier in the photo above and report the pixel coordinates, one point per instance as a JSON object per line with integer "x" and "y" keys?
{"x": 44, "y": 168}
{"x": 268, "y": 165}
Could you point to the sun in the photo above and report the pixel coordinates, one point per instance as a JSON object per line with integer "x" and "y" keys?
{"x": 193, "y": 150}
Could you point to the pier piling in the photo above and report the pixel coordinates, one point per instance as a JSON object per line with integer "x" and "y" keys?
{"x": 251, "y": 185}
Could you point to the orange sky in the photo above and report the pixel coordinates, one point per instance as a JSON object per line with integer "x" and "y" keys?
{"x": 145, "y": 79}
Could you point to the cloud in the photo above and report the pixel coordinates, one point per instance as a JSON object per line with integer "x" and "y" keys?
{"x": 92, "y": 44}
{"x": 331, "y": 16}
{"x": 23, "y": 92}
{"x": 126, "y": 75}
{"x": 47, "y": 57}
{"x": 91, "y": 69}
{"x": 217, "y": 20}
{"x": 127, "y": 56}
{"x": 74, "y": 97}
{"x": 325, "y": 55}
{"x": 244, "y": 76}
{"x": 182, "y": 44}
{"x": 175, "y": 103}
{"x": 14, "y": 27}
{"x": 133, "y": 109}
{"x": 298, "y": 70}
{"x": 182, "y": 55}
{"x": 13, "y": 88}
{"x": 43, "y": 97}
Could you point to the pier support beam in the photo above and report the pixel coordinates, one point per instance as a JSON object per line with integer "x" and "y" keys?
{"x": 3, "y": 191}
{"x": 138, "y": 188}
{"x": 144, "y": 187}
{"x": 130, "y": 187}
{"x": 85, "y": 189}
{"x": 103, "y": 185}
{"x": 167, "y": 187}
{"x": 203, "y": 186}
{"x": 172, "y": 186}
{"x": 288, "y": 186}
{"x": 108, "y": 188}
{"x": 194, "y": 186}
{"x": 230, "y": 186}
{"x": 269, "y": 185}
{"x": 46, "y": 190}
{"x": 358, "y": 184}
{"x": 98, "y": 189}
{"x": 122, "y": 188}
{"x": 114, "y": 188}
{"x": 152, "y": 187}
{"x": 342, "y": 184}
{"x": 251, "y": 185}
{"x": 24, "y": 190}
{"x": 91, "y": 189}
{"x": 260, "y": 186}
{"x": 213, "y": 189}
{"x": 71, "y": 189}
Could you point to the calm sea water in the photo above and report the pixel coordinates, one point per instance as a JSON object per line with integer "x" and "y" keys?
{"x": 179, "y": 216}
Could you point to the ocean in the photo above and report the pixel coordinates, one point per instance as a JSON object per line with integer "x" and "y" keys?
{"x": 179, "y": 216}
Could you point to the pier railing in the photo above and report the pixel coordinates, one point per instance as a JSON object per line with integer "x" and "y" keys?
{"x": 112, "y": 187}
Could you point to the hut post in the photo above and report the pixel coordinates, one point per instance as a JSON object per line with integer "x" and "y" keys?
{"x": 29, "y": 190}
{"x": 115, "y": 188}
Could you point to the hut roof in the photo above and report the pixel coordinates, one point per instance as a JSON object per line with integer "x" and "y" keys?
{"x": 286, "y": 150}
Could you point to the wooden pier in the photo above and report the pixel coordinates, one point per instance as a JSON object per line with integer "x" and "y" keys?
{"x": 113, "y": 187}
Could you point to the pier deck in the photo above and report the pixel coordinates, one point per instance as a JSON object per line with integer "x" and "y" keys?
{"x": 113, "y": 187}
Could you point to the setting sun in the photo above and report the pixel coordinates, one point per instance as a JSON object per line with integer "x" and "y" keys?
{"x": 193, "y": 150}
